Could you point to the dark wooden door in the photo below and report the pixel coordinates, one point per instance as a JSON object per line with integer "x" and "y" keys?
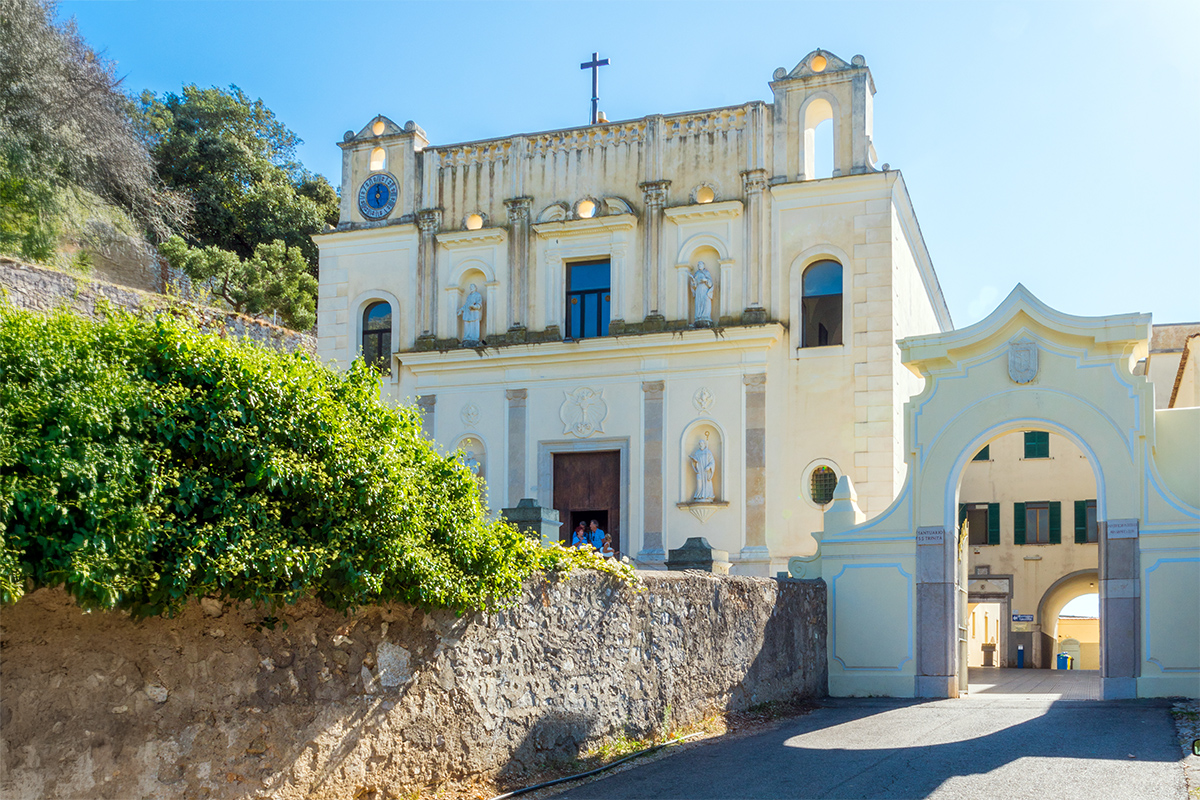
{"x": 587, "y": 486}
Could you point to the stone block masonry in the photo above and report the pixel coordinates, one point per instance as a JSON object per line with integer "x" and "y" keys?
{"x": 391, "y": 699}
{"x": 42, "y": 289}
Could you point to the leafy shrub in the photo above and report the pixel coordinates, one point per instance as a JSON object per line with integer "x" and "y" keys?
{"x": 143, "y": 462}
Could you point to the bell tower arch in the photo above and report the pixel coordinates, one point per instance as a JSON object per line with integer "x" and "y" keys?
{"x": 823, "y": 87}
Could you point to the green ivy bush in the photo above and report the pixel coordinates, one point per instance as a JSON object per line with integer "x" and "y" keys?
{"x": 143, "y": 463}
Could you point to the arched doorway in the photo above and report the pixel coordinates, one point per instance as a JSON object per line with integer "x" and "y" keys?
{"x": 898, "y": 584}
{"x": 1027, "y": 500}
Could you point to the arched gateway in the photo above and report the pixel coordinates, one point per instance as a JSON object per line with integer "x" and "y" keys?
{"x": 897, "y": 584}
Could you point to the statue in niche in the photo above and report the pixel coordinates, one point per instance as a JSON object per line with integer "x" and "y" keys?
{"x": 702, "y": 288}
{"x": 704, "y": 463}
{"x": 471, "y": 313}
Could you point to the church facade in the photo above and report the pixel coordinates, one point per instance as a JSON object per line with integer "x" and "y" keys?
{"x": 669, "y": 325}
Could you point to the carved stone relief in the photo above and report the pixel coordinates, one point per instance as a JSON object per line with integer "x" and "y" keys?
{"x": 704, "y": 400}
{"x": 583, "y": 412}
{"x": 470, "y": 415}
{"x": 1022, "y": 361}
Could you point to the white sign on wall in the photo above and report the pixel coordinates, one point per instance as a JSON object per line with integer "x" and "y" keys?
{"x": 1122, "y": 529}
{"x": 931, "y": 535}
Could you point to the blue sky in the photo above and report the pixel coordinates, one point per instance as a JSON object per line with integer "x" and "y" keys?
{"x": 1053, "y": 144}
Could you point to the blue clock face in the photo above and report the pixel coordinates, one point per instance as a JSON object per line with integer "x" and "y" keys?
{"x": 377, "y": 196}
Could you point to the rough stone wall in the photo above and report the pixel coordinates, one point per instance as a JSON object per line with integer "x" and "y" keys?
{"x": 388, "y": 700}
{"x": 40, "y": 288}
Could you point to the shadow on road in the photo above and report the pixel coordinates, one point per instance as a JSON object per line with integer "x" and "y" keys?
{"x": 890, "y": 748}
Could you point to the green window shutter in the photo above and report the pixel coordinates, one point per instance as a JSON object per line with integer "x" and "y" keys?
{"x": 962, "y": 514}
{"x": 1018, "y": 523}
{"x": 1081, "y": 522}
{"x": 1037, "y": 444}
{"x": 1055, "y": 522}
{"x": 984, "y": 454}
{"x": 993, "y": 523}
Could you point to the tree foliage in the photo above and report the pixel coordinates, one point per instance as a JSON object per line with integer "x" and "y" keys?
{"x": 274, "y": 278}
{"x": 66, "y": 127}
{"x": 143, "y": 463}
{"x": 237, "y": 163}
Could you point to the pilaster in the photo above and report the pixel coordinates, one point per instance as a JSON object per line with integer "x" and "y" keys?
{"x": 755, "y": 557}
{"x": 652, "y": 552}
{"x": 754, "y": 185}
{"x": 1120, "y": 608}
{"x": 518, "y": 266}
{"x": 517, "y": 425}
{"x": 430, "y": 222}
{"x": 654, "y": 194}
{"x": 427, "y": 403}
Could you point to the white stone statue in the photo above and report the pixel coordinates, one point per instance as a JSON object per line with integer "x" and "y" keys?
{"x": 704, "y": 463}
{"x": 471, "y": 312}
{"x": 702, "y": 287}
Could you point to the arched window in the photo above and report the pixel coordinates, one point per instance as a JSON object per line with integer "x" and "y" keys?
{"x": 377, "y": 335}
{"x": 821, "y": 307}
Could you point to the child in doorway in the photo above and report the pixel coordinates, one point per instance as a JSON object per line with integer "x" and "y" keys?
{"x": 607, "y": 549}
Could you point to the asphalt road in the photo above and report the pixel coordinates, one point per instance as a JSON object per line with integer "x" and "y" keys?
{"x": 1007, "y": 747}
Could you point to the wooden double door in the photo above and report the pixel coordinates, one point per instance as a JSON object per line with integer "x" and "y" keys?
{"x": 587, "y": 486}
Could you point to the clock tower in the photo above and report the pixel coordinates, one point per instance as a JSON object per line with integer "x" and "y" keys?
{"x": 379, "y": 173}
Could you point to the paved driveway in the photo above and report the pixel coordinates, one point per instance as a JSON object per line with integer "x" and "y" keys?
{"x": 984, "y": 746}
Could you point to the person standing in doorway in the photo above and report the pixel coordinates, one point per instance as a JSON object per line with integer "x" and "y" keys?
{"x": 597, "y": 535}
{"x": 581, "y": 537}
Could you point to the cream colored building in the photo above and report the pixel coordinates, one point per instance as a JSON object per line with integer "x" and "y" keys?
{"x": 594, "y": 377}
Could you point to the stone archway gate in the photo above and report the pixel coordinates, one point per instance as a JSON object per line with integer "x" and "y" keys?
{"x": 897, "y": 583}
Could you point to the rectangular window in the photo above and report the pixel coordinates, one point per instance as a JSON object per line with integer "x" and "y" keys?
{"x": 977, "y": 523}
{"x": 589, "y": 296}
{"x": 1086, "y": 529}
{"x": 1037, "y": 523}
{"x": 984, "y": 454}
{"x": 1037, "y": 444}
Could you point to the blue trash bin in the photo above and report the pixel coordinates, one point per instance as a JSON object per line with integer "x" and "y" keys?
{"x": 1064, "y": 661}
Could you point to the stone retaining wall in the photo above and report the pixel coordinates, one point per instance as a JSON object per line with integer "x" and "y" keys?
{"x": 391, "y": 699}
{"x": 41, "y": 288}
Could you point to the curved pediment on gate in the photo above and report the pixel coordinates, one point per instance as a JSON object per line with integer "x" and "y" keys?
{"x": 1122, "y": 335}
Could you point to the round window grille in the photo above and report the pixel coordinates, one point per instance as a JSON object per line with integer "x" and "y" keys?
{"x": 821, "y": 485}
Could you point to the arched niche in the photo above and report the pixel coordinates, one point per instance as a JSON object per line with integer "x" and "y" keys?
{"x": 714, "y": 252}
{"x": 473, "y": 453}
{"x": 702, "y": 430}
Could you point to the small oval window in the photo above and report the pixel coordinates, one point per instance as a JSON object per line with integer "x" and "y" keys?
{"x": 586, "y": 209}
{"x": 474, "y": 222}
{"x": 821, "y": 484}
{"x": 705, "y": 195}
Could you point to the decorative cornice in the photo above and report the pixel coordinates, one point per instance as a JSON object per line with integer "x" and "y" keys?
{"x": 585, "y": 227}
{"x": 455, "y": 240}
{"x": 717, "y": 120}
{"x": 726, "y": 209}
